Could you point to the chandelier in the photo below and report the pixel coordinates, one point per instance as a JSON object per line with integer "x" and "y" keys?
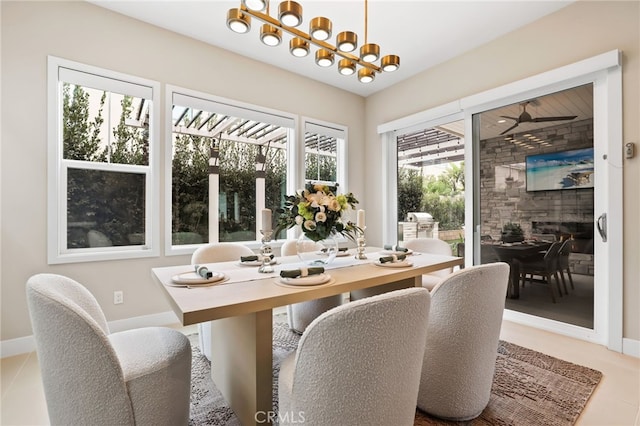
{"x": 290, "y": 16}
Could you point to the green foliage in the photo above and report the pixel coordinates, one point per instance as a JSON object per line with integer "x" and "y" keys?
{"x": 447, "y": 210}
{"x": 114, "y": 203}
{"x": 513, "y": 229}
{"x": 441, "y": 196}
{"x": 189, "y": 185}
{"x": 237, "y": 182}
{"x": 131, "y": 144}
{"x": 320, "y": 167}
{"x": 110, "y": 202}
{"x": 444, "y": 197}
{"x": 81, "y": 138}
{"x": 409, "y": 192}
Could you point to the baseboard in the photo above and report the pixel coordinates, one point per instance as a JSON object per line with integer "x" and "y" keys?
{"x": 153, "y": 320}
{"x": 631, "y": 347}
{"x": 27, "y": 344}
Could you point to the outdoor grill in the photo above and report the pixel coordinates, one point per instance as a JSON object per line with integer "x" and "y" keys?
{"x": 424, "y": 223}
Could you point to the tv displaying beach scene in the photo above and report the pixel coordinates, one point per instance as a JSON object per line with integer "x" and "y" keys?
{"x": 560, "y": 170}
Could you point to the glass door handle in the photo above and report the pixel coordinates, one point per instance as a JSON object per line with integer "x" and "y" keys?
{"x": 602, "y": 226}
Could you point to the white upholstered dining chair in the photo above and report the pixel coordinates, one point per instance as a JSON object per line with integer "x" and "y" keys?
{"x": 462, "y": 341}
{"x": 209, "y": 253}
{"x": 94, "y": 377}
{"x": 301, "y": 314}
{"x": 433, "y": 246}
{"x": 358, "y": 364}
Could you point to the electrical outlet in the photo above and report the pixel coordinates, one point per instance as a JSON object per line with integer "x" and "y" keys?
{"x": 118, "y": 297}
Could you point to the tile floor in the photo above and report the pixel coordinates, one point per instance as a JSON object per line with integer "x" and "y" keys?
{"x": 616, "y": 401}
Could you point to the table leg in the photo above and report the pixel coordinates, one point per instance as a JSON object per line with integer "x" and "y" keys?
{"x": 241, "y": 364}
{"x": 515, "y": 279}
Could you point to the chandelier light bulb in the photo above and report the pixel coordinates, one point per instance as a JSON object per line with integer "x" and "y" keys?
{"x": 258, "y": 5}
{"x": 290, "y": 13}
{"x": 390, "y": 63}
{"x": 346, "y": 67}
{"x": 270, "y": 35}
{"x": 298, "y": 47}
{"x": 365, "y": 75}
{"x": 370, "y": 52}
{"x": 324, "y": 58}
{"x": 238, "y": 22}
{"x": 347, "y": 41}
{"x": 320, "y": 28}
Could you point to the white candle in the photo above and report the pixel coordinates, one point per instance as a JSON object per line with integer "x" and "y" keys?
{"x": 360, "y": 222}
{"x": 266, "y": 219}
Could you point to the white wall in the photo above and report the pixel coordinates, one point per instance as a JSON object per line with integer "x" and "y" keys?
{"x": 579, "y": 31}
{"x": 85, "y": 33}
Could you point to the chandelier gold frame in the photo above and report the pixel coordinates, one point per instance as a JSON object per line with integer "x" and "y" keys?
{"x": 239, "y": 20}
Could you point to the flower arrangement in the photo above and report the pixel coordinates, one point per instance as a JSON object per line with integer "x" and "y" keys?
{"x": 318, "y": 212}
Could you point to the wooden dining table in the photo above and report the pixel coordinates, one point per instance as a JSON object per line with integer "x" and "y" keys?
{"x": 240, "y": 308}
{"x": 510, "y": 253}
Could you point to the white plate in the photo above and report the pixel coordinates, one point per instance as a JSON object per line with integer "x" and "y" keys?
{"x": 309, "y": 280}
{"x": 257, "y": 262}
{"x": 391, "y": 252}
{"x": 403, "y": 264}
{"x": 191, "y": 278}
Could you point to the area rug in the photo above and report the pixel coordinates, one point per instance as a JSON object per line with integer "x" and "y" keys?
{"x": 529, "y": 388}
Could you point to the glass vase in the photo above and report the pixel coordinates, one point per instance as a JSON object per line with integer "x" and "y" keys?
{"x": 317, "y": 252}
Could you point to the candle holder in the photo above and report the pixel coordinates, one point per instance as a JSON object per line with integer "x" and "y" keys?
{"x": 361, "y": 245}
{"x": 266, "y": 252}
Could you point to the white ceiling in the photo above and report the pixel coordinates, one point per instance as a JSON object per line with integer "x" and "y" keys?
{"x": 422, "y": 33}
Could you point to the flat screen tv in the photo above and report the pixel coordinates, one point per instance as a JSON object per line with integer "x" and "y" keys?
{"x": 560, "y": 170}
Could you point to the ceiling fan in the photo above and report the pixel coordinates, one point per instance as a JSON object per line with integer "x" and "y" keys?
{"x": 525, "y": 117}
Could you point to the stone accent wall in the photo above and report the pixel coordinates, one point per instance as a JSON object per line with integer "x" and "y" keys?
{"x": 503, "y": 200}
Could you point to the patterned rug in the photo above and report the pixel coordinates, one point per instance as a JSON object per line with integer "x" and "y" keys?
{"x": 529, "y": 388}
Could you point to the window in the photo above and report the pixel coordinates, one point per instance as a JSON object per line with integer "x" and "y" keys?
{"x": 225, "y": 158}
{"x": 325, "y": 153}
{"x": 101, "y": 174}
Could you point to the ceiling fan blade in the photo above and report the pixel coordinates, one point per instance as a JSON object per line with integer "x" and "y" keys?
{"x": 562, "y": 118}
{"x": 510, "y": 118}
{"x": 509, "y": 129}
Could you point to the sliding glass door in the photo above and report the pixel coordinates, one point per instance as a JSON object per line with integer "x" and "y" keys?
{"x": 430, "y": 184}
{"x": 535, "y": 184}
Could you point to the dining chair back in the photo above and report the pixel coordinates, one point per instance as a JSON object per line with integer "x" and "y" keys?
{"x": 463, "y": 331}
{"x": 300, "y": 315}
{"x": 433, "y": 246}
{"x": 94, "y": 377}
{"x": 564, "y": 265}
{"x": 546, "y": 267}
{"x": 358, "y": 364}
{"x": 210, "y": 253}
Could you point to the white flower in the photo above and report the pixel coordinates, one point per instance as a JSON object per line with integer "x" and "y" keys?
{"x": 299, "y": 220}
{"x": 310, "y": 225}
{"x": 321, "y": 217}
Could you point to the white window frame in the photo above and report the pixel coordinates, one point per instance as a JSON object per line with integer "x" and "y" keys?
{"x": 61, "y": 70}
{"x": 206, "y": 101}
{"x": 341, "y": 133}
